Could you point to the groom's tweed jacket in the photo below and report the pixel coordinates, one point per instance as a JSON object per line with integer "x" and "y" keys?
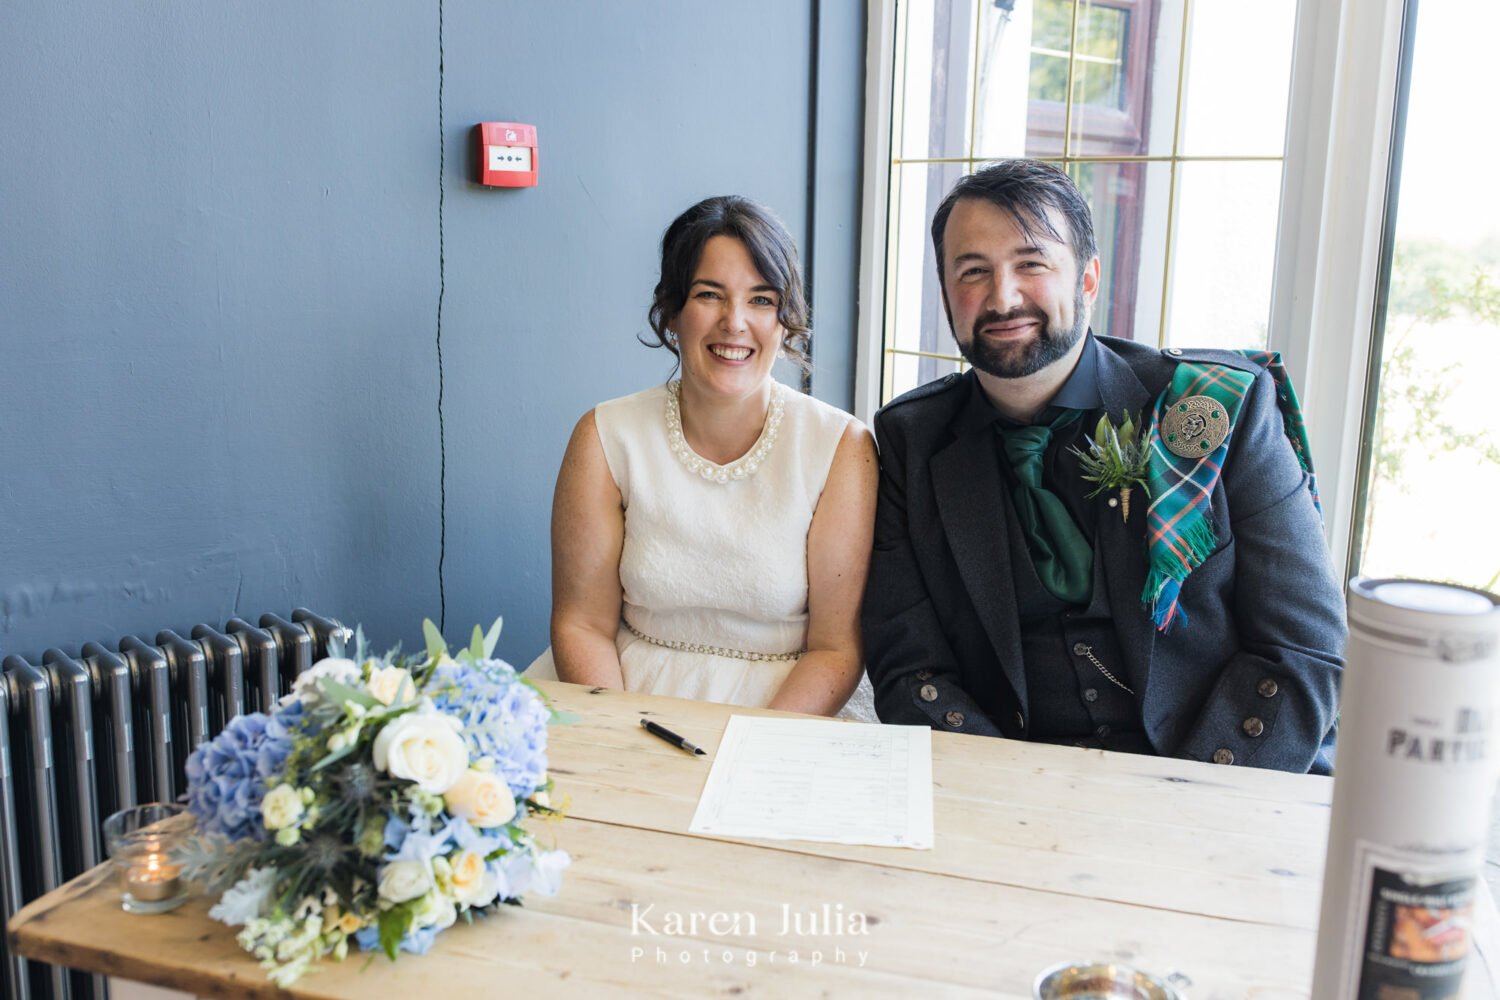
{"x": 1251, "y": 678}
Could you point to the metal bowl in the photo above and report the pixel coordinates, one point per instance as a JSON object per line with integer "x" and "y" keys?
{"x": 1100, "y": 981}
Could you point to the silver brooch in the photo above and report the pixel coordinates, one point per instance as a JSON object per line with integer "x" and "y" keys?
{"x": 1195, "y": 426}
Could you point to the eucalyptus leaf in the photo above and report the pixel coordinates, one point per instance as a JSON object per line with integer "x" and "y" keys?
{"x": 338, "y": 692}
{"x": 492, "y": 637}
{"x": 437, "y": 648}
{"x": 336, "y": 756}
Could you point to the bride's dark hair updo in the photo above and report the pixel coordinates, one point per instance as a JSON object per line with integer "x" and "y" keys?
{"x": 771, "y": 250}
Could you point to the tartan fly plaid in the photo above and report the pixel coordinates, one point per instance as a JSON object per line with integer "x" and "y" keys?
{"x": 1179, "y": 535}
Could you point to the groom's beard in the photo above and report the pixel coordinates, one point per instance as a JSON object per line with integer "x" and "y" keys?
{"x": 1019, "y": 359}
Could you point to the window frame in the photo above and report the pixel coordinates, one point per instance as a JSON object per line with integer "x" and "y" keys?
{"x": 1333, "y": 205}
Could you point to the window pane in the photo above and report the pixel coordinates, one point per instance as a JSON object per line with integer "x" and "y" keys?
{"x": 1099, "y": 66}
{"x": 1129, "y": 109}
{"x": 1199, "y": 236}
{"x": 934, "y": 86}
{"x": 915, "y": 320}
{"x": 1435, "y": 461}
{"x": 1223, "y": 254}
{"x": 1008, "y": 65}
{"x": 1128, "y": 203}
{"x": 1124, "y": 78}
{"x": 1239, "y": 67}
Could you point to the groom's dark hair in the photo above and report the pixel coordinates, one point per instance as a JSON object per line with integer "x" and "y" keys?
{"x": 1025, "y": 189}
{"x": 771, "y": 250}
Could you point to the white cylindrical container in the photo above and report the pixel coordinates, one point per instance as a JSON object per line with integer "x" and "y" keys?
{"x": 1413, "y": 779}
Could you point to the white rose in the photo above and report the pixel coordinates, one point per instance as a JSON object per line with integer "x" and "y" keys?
{"x": 281, "y": 807}
{"x": 425, "y": 747}
{"x": 481, "y": 797}
{"x": 473, "y": 882}
{"x": 403, "y": 880}
{"x": 388, "y": 684}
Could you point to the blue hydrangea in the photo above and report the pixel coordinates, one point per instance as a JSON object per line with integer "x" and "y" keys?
{"x": 504, "y": 719}
{"x": 416, "y": 941}
{"x": 228, "y": 775}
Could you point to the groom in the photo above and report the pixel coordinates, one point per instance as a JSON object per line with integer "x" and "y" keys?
{"x": 1024, "y": 584}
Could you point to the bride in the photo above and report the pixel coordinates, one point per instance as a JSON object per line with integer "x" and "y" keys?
{"x": 711, "y": 536}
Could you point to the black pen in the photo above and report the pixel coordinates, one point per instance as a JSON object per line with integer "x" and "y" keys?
{"x": 662, "y": 732}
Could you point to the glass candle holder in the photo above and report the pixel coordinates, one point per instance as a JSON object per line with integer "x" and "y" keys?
{"x": 143, "y": 844}
{"x": 1104, "y": 981}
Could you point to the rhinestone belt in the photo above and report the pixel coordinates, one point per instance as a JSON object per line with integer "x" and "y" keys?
{"x": 699, "y": 647}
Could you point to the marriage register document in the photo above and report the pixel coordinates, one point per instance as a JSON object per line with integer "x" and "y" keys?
{"x": 808, "y": 779}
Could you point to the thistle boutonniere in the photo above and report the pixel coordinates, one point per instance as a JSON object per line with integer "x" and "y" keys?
{"x": 1116, "y": 459}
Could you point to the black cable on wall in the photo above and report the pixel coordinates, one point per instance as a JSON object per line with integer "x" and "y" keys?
{"x": 442, "y": 288}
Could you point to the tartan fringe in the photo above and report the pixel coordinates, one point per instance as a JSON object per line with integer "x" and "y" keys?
{"x": 1167, "y": 571}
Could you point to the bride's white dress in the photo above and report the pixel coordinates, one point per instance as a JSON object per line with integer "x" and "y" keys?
{"x": 714, "y": 564}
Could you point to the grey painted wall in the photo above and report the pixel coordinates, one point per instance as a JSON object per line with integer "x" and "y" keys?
{"x": 219, "y": 284}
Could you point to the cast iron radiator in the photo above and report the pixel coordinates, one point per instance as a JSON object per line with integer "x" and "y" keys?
{"x": 83, "y": 736}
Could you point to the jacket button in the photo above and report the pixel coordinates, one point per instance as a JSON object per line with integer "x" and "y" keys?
{"x": 924, "y": 675}
{"x": 1102, "y": 732}
{"x": 1176, "y": 352}
{"x": 1080, "y": 649}
{"x": 1253, "y": 727}
{"x": 1267, "y": 688}
{"x": 1223, "y": 756}
{"x": 954, "y": 719}
{"x": 1091, "y": 695}
{"x": 928, "y": 692}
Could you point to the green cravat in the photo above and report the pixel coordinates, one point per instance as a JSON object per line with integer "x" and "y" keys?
{"x": 1062, "y": 557}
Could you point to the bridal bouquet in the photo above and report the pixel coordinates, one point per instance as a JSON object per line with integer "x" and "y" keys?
{"x": 379, "y": 802}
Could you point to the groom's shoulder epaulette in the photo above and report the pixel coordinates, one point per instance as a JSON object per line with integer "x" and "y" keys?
{"x": 935, "y": 388}
{"x": 1213, "y": 356}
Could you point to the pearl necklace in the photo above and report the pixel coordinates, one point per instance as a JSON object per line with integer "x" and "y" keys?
{"x": 741, "y": 468}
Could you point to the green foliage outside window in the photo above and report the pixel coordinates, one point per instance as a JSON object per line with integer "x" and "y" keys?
{"x": 1431, "y": 283}
{"x": 1101, "y": 35}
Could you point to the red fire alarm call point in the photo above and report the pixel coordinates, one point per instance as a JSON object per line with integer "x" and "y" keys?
{"x": 507, "y": 154}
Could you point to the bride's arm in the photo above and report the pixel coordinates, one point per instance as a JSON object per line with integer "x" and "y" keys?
{"x": 588, "y": 532}
{"x": 838, "y": 560}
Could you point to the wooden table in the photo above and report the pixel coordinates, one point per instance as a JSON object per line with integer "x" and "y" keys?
{"x": 1043, "y": 854}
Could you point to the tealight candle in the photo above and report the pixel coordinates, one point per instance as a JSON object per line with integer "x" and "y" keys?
{"x": 153, "y": 880}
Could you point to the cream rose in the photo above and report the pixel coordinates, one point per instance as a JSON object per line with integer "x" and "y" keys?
{"x": 473, "y": 882}
{"x": 481, "y": 797}
{"x": 403, "y": 880}
{"x": 388, "y": 684}
{"x": 425, "y": 747}
{"x": 281, "y": 807}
